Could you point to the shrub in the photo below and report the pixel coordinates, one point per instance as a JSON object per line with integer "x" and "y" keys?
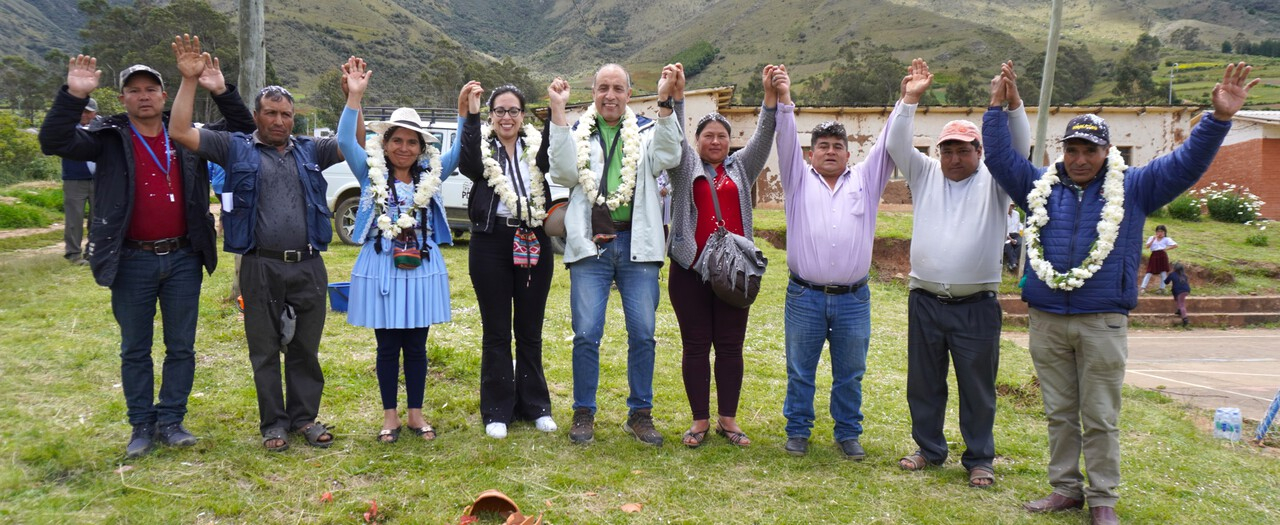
{"x": 20, "y": 157}
{"x": 1229, "y": 203}
{"x": 1185, "y": 208}
{"x": 22, "y": 216}
{"x": 49, "y": 198}
{"x": 1257, "y": 239}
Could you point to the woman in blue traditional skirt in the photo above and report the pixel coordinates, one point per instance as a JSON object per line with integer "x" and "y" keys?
{"x": 399, "y": 285}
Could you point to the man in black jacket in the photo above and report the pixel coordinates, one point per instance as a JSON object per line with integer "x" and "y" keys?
{"x": 151, "y": 232}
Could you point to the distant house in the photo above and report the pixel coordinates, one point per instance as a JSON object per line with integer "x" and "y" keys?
{"x": 1141, "y": 132}
{"x": 1250, "y": 157}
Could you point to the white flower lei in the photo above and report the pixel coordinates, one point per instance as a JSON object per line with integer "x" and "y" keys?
{"x": 1108, "y": 226}
{"x": 630, "y": 159}
{"x": 427, "y": 187}
{"x": 535, "y": 214}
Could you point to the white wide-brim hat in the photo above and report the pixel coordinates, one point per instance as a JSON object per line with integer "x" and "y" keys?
{"x": 405, "y": 118}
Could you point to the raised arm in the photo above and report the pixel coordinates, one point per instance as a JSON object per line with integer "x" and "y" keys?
{"x": 1005, "y": 85}
{"x": 60, "y": 133}
{"x": 356, "y": 81}
{"x": 191, "y": 64}
{"x": 665, "y": 148}
{"x": 1166, "y": 177}
{"x": 898, "y": 136}
{"x": 790, "y": 157}
{"x": 561, "y": 153}
{"x": 471, "y": 162}
{"x": 756, "y": 152}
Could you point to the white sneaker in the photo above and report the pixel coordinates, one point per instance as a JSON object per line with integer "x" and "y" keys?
{"x": 496, "y": 430}
{"x": 546, "y": 424}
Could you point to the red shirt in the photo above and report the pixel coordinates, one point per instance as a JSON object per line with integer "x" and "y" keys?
{"x": 157, "y": 200}
{"x": 730, "y": 207}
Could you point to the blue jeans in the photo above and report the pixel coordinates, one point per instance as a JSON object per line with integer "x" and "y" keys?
{"x": 844, "y": 321}
{"x": 589, "y": 280}
{"x": 142, "y": 279}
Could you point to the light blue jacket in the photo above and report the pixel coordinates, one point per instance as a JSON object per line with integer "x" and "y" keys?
{"x": 357, "y": 160}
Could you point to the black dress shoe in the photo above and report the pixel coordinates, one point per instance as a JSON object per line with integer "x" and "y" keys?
{"x": 1054, "y": 502}
{"x": 1104, "y": 516}
{"x": 140, "y": 443}
{"x": 852, "y": 449}
{"x": 797, "y": 446}
{"x": 175, "y": 435}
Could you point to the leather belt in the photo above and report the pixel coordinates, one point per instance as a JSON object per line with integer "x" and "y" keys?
{"x": 509, "y": 222}
{"x": 830, "y": 289}
{"x": 622, "y": 226}
{"x": 964, "y": 299}
{"x": 289, "y": 256}
{"x": 159, "y": 246}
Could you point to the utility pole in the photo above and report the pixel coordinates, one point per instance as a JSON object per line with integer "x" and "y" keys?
{"x": 253, "y": 51}
{"x": 1046, "y": 93}
{"x": 1171, "y": 70}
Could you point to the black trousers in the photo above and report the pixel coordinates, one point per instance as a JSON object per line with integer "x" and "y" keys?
{"x": 510, "y": 299}
{"x": 968, "y": 333}
{"x": 267, "y": 285}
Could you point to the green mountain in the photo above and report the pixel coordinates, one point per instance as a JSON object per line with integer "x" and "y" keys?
{"x": 402, "y": 38}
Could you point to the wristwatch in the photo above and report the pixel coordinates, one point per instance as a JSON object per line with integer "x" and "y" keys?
{"x": 669, "y": 103}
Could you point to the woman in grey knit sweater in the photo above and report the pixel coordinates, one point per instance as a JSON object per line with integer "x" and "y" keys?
{"x": 705, "y": 320}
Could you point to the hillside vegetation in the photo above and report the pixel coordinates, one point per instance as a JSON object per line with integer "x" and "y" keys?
{"x": 404, "y": 39}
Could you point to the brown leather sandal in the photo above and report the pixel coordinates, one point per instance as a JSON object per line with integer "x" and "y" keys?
{"x": 737, "y": 438}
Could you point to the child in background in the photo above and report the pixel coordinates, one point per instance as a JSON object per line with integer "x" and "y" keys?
{"x": 1159, "y": 244}
{"x": 1180, "y": 286}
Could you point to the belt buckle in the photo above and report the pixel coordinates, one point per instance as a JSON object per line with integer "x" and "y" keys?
{"x": 512, "y": 222}
{"x": 832, "y": 289}
{"x": 164, "y": 247}
{"x": 292, "y": 256}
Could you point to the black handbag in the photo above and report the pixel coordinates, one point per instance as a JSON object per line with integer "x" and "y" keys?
{"x": 730, "y": 263}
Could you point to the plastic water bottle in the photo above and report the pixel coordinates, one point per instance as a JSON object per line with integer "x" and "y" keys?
{"x": 1235, "y": 423}
{"x": 1220, "y": 423}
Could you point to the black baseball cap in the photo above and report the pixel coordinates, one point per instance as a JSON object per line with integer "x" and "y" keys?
{"x": 1088, "y": 127}
{"x": 139, "y": 68}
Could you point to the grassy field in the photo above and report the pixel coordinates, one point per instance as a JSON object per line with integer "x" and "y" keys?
{"x": 64, "y": 433}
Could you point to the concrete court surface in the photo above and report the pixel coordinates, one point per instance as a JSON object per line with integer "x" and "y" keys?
{"x": 1208, "y": 368}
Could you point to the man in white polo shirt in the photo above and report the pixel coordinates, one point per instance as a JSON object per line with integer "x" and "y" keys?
{"x": 959, "y": 228}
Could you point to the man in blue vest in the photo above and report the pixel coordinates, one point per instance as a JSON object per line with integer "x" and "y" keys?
{"x": 278, "y": 219}
{"x": 1085, "y": 216}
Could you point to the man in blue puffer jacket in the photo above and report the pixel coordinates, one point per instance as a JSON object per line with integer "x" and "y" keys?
{"x": 1084, "y": 244}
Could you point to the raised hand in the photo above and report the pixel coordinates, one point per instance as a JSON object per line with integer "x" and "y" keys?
{"x": 558, "y": 93}
{"x": 473, "y": 97}
{"x": 82, "y": 75}
{"x": 1229, "y": 94}
{"x": 766, "y": 80}
{"x": 355, "y": 75}
{"x": 1010, "y": 85}
{"x": 678, "y": 91}
{"x": 918, "y": 83}
{"x": 186, "y": 52}
{"x": 211, "y": 79}
{"x": 464, "y": 98}
{"x": 782, "y": 83}
{"x": 666, "y": 83}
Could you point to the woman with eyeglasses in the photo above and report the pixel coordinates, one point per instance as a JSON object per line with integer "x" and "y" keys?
{"x": 510, "y": 257}
{"x": 399, "y": 285}
{"x": 705, "y": 320}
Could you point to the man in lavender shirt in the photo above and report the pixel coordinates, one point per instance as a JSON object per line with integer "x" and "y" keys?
{"x": 831, "y": 221}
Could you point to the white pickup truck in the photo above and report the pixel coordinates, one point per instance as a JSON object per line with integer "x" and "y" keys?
{"x": 343, "y": 194}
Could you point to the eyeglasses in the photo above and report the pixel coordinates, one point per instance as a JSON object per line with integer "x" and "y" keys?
{"x": 505, "y": 112}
